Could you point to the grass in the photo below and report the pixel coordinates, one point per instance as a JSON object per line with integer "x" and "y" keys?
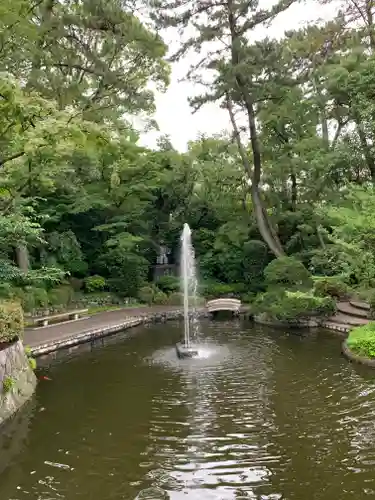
{"x": 361, "y": 340}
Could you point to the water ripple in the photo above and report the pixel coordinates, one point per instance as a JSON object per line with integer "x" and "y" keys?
{"x": 262, "y": 415}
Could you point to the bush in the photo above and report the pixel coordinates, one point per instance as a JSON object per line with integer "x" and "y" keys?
{"x": 11, "y": 321}
{"x": 146, "y": 294}
{"x": 293, "y": 306}
{"x": 160, "y": 298}
{"x": 215, "y": 290}
{"x": 289, "y": 273}
{"x": 6, "y": 290}
{"x": 31, "y": 298}
{"x": 61, "y": 296}
{"x": 168, "y": 284}
{"x": 332, "y": 286}
{"x": 361, "y": 340}
{"x": 371, "y": 302}
{"x": 176, "y": 299}
{"x": 98, "y": 299}
{"x": 76, "y": 283}
{"x": 95, "y": 283}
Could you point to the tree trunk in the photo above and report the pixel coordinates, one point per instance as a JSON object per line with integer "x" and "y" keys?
{"x": 22, "y": 257}
{"x": 264, "y": 225}
{"x": 293, "y": 179}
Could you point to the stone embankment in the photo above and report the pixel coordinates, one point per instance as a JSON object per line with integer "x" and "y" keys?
{"x": 17, "y": 379}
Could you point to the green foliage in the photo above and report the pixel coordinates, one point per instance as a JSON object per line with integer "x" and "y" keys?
{"x": 32, "y": 363}
{"x": 288, "y": 273}
{"x": 175, "y": 299}
{"x": 361, "y": 340}
{"x": 32, "y": 298}
{"x": 80, "y": 198}
{"x": 370, "y": 299}
{"x": 215, "y": 290}
{"x": 125, "y": 272}
{"x": 11, "y": 321}
{"x": 61, "y": 296}
{"x": 160, "y": 298}
{"x": 8, "y": 384}
{"x": 95, "y": 283}
{"x": 293, "y": 306}
{"x": 333, "y": 286}
{"x": 146, "y": 294}
{"x": 168, "y": 284}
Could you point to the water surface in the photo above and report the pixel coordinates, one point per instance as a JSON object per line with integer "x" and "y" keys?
{"x": 263, "y": 415}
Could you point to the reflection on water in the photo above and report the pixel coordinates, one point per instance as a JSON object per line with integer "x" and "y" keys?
{"x": 260, "y": 415}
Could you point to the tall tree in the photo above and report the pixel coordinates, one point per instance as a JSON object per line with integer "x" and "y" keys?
{"x": 222, "y": 30}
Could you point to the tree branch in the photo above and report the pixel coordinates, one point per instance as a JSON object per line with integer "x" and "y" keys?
{"x": 12, "y": 157}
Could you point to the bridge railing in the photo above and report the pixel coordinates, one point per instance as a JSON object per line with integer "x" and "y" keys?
{"x": 223, "y": 304}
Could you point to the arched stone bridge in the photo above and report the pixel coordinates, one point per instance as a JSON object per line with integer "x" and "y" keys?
{"x": 224, "y": 304}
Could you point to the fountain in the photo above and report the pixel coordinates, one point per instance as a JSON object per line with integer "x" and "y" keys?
{"x": 187, "y": 349}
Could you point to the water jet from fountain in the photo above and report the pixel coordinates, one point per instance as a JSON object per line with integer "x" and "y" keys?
{"x": 189, "y": 285}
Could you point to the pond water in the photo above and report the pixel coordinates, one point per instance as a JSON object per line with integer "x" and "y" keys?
{"x": 263, "y": 415}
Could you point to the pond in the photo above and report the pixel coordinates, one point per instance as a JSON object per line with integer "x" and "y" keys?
{"x": 263, "y": 415}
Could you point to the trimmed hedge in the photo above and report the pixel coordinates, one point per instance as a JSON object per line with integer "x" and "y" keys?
{"x": 287, "y": 273}
{"x": 361, "y": 340}
{"x": 332, "y": 286}
{"x": 293, "y": 306}
{"x": 11, "y": 321}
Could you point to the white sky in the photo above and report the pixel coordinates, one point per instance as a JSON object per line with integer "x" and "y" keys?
{"x": 173, "y": 113}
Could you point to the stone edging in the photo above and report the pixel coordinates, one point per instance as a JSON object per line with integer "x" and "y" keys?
{"x": 342, "y": 329}
{"x": 97, "y": 333}
{"x": 261, "y": 319}
{"x": 355, "y": 357}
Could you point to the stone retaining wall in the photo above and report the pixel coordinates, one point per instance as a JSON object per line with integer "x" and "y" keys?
{"x": 355, "y": 357}
{"x": 262, "y": 319}
{"x": 17, "y": 380}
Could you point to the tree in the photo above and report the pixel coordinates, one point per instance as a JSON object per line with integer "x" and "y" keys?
{"x": 235, "y": 86}
{"x": 94, "y": 58}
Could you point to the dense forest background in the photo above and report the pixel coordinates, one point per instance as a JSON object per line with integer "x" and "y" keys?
{"x": 84, "y": 208}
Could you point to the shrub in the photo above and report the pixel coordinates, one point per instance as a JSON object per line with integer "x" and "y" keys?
{"x": 61, "y": 296}
{"x": 371, "y": 302}
{"x": 168, "y": 284}
{"x": 215, "y": 290}
{"x": 332, "y": 286}
{"x": 8, "y": 384}
{"x": 175, "y": 299}
{"x": 76, "y": 283}
{"x": 98, "y": 299}
{"x": 361, "y": 340}
{"x": 293, "y": 306}
{"x": 146, "y": 294}
{"x": 95, "y": 283}
{"x": 160, "y": 298}
{"x": 289, "y": 273}
{"x": 6, "y": 290}
{"x": 32, "y": 363}
{"x": 31, "y": 298}
{"x": 11, "y": 321}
